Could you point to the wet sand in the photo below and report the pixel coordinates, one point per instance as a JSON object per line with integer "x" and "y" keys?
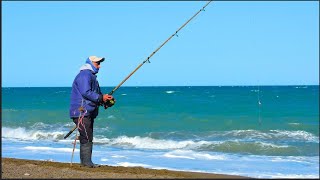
{"x": 32, "y": 169}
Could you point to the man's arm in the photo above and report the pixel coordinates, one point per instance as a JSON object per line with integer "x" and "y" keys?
{"x": 84, "y": 86}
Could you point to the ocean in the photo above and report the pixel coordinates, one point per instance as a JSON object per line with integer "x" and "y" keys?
{"x": 253, "y": 131}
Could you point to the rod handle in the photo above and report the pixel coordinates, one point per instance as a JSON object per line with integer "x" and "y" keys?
{"x": 65, "y": 137}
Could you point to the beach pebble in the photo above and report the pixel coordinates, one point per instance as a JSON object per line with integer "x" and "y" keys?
{"x": 26, "y": 174}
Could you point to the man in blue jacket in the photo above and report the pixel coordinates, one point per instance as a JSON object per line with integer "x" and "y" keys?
{"x": 86, "y": 97}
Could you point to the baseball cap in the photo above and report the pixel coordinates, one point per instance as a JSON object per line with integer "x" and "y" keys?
{"x": 96, "y": 59}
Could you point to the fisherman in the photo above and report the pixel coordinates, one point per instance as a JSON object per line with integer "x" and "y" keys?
{"x": 86, "y": 97}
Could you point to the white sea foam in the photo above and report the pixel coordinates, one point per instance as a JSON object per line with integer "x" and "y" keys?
{"x": 39, "y": 125}
{"x": 118, "y": 156}
{"x": 49, "y": 149}
{"x": 239, "y": 142}
{"x": 23, "y": 134}
{"x": 188, "y": 154}
{"x": 170, "y": 92}
{"x": 129, "y": 164}
{"x": 169, "y": 155}
{"x": 299, "y": 87}
{"x": 270, "y": 145}
{"x": 272, "y": 134}
{"x": 299, "y": 159}
{"x": 69, "y": 124}
{"x": 294, "y": 124}
{"x": 150, "y": 143}
{"x": 290, "y": 176}
{"x": 245, "y": 134}
{"x": 297, "y": 135}
{"x": 101, "y": 140}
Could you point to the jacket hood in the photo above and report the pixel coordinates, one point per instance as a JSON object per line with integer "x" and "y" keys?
{"x": 89, "y": 66}
{"x": 86, "y": 66}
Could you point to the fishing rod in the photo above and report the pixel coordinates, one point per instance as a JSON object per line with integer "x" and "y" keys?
{"x": 111, "y": 102}
{"x": 147, "y": 60}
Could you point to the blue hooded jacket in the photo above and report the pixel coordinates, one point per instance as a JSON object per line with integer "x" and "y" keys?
{"x": 86, "y": 92}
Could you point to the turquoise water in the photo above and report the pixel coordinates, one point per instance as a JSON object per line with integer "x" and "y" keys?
{"x": 208, "y": 129}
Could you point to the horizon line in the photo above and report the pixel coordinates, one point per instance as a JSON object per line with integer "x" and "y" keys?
{"x": 165, "y": 86}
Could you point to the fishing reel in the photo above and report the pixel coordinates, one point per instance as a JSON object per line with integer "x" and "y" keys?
{"x": 109, "y": 103}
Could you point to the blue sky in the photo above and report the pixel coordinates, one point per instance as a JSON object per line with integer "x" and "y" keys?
{"x": 230, "y": 43}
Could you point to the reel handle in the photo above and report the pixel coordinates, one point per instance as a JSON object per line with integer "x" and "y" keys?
{"x": 109, "y": 103}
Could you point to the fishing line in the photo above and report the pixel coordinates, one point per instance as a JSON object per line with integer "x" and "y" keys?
{"x": 259, "y": 106}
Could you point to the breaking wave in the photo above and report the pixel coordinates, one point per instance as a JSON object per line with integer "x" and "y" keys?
{"x": 23, "y": 134}
{"x": 273, "y": 135}
{"x": 238, "y": 141}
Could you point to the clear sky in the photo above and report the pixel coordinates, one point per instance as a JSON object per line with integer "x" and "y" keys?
{"x": 230, "y": 43}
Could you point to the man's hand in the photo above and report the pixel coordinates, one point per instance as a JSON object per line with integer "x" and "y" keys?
{"x": 108, "y": 101}
{"x": 107, "y": 97}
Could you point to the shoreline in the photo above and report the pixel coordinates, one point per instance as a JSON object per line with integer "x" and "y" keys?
{"x": 34, "y": 169}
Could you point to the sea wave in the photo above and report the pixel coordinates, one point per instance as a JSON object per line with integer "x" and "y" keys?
{"x": 273, "y": 135}
{"x": 148, "y": 143}
{"x": 241, "y": 135}
{"x": 41, "y": 130}
{"x": 21, "y": 133}
{"x": 69, "y": 124}
{"x": 297, "y": 135}
{"x": 40, "y": 125}
{"x": 228, "y": 145}
{"x": 257, "y": 148}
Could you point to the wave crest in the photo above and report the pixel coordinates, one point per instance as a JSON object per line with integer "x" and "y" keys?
{"x": 237, "y": 141}
{"x": 22, "y": 134}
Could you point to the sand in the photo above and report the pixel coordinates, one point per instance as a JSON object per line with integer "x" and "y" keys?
{"x": 32, "y": 169}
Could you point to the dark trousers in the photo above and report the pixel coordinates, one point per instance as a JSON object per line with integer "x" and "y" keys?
{"x": 85, "y": 129}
